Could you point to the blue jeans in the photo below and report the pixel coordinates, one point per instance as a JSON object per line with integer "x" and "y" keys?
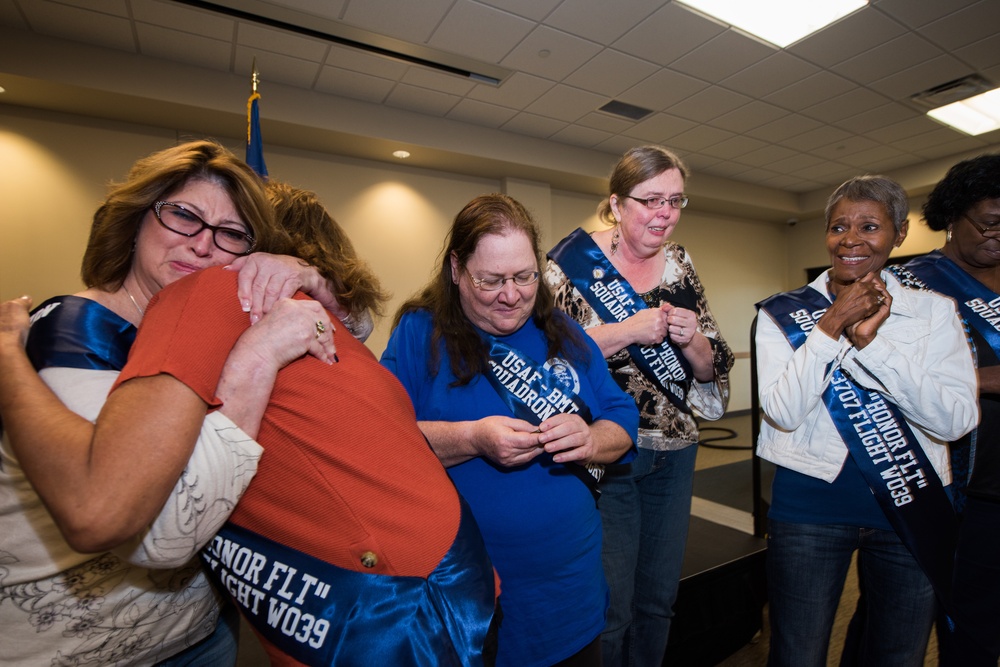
{"x": 645, "y": 511}
{"x": 807, "y": 565}
{"x": 216, "y": 650}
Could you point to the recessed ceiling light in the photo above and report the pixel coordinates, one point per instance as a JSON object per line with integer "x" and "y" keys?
{"x": 402, "y": 155}
{"x": 975, "y": 115}
{"x": 780, "y": 22}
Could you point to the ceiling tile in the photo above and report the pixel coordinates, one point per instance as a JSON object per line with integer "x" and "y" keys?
{"x": 82, "y": 25}
{"x": 982, "y": 54}
{"x": 610, "y": 72}
{"x": 844, "y": 147}
{"x": 366, "y": 63}
{"x": 855, "y": 34}
{"x": 668, "y": 34}
{"x": 616, "y": 145}
{"x": 698, "y": 138}
{"x": 879, "y": 117}
{"x": 281, "y": 42}
{"x": 722, "y": 56}
{"x": 517, "y": 91}
{"x": 823, "y": 170}
{"x": 533, "y": 125}
{"x": 902, "y": 85}
{"x": 664, "y": 88}
{"x": 580, "y": 136}
{"x": 600, "y": 20}
{"x": 747, "y": 117}
{"x": 184, "y": 47}
{"x": 903, "y": 130}
{"x": 766, "y": 156}
{"x": 550, "y": 53}
{"x": 410, "y": 21}
{"x": 769, "y": 75}
{"x": 885, "y": 59}
{"x": 421, "y": 100}
{"x": 480, "y": 32}
{"x": 600, "y": 120}
{"x": 733, "y": 147}
{"x": 877, "y": 158}
{"x": 708, "y": 104}
{"x": 965, "y": 26}
{"x": 821, "y": 136}
{"x": 566, "y": 103}
{"x": 276, "y": 67}
{"x": 355, "y": 85}
{"x": 481, "y": 113}
{"x": 845, "y": 105}
{"x": 809, "y": 91}
{"x": 535, "y": 10}
{"x": 784, "y": 128}
{"x": 915, "y": 13}
{"x": 660, "y": 128}
{"x": 949, "y": 148}
{"x": 439, "y": 81}
{"x": 183, "y": 18}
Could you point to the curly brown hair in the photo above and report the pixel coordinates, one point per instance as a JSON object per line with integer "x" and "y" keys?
{"x": 319, "y": 240}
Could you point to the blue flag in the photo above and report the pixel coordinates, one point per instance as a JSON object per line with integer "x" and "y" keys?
{"x": 255, "y": 148}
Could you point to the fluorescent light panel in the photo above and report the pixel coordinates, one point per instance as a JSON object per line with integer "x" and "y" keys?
{"x": 780, "y": 22}
{"x": 976, "y": 115}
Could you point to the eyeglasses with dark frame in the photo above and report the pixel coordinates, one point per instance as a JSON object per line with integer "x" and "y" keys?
{"x": 494, "y": 284}
{"x": 180, "y": 220}
{"x": 656, "y": 203}
{"x": 991, "y": 230}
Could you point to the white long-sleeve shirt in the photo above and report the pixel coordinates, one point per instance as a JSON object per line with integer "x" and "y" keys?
{"x": 919, "y": 360}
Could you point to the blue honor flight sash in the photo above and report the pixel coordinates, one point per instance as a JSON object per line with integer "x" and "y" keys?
{"x": 980, "y": 309}
{"x": 614, "y": 300}
{"x": 322, "y": 615}
{"x": 979, "y": 305}
{"x": 884, "y": 448}
{"x": 534, "y": 392}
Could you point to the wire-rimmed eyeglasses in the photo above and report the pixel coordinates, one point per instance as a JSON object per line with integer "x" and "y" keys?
{"x": 181, "y": 221}
{"x": 656, "y": 203}
{"x": 989, "y": 230}
{"x": 493, "y": 284}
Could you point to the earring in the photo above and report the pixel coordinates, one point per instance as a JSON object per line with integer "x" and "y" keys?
{"x": 947, "y": 236}
{"x": 614, "y": 240}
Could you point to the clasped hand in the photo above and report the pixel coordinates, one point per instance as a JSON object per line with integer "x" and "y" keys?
{"x": 512, "y": 442}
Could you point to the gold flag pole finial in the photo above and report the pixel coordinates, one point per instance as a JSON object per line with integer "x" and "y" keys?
{"x": 255, "y": 76}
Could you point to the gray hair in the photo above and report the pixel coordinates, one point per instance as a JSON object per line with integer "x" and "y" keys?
{"x": 878, "y": 189}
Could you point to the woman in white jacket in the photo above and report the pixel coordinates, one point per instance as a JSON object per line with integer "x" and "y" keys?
{"x": 862, "y": 383}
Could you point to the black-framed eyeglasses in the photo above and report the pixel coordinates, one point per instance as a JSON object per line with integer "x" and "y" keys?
{"x": 989, "y": 230}
{"x": 493, "y": 284}
{"x": 656, "y": 203}
{"x": 181, "y": 221}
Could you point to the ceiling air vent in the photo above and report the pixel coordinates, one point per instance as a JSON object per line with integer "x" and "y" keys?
{"x": 953, "y": 91}
{"x": 623, "y": 110}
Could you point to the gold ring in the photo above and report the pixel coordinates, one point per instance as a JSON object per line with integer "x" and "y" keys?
{"x": 320, "y": 328}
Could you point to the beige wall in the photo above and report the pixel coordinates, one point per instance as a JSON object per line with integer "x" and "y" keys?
{"x": 53, "y": 171}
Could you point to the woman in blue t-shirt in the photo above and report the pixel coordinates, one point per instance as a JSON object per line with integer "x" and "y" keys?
{"x": 518, "y": 404}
